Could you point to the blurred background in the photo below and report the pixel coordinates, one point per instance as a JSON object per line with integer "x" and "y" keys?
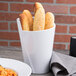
{"x": 65, "y": 19}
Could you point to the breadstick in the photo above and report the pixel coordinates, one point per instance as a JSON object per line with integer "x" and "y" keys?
{"x": 39, "y": 20}
{"x": 30, "y": 18}
{"x": 37, "y": 5}
{"x": 49, "y": 20}
{"x": 24, "y": 22}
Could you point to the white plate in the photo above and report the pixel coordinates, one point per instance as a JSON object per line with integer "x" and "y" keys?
{"x": 21, "y": 68}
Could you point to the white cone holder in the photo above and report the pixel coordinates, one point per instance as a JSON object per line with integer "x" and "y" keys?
{"x": 37, "y": 48}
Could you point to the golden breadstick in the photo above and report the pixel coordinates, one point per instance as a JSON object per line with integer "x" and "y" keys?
{"x": 24, "y": 22}
{"x": 37, "y": 5}
{"x": 49, "y": 20}
{"x": 30, "y": 18}
{"x": 39, "y": 20}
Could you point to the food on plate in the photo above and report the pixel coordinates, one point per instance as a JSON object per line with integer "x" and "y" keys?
{"x": 37, "y": 5}
{"x": 39, "y": 20}
{"x": 24, "y": 22}
{"x": 30, "y": 18}
{"x": 49, "y": 20}
{"x": 7, "y": 72}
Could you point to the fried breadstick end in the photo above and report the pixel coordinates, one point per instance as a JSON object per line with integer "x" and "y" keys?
{"x": 37, "y": 5}
{"x": 24, "y": 22}
{"x": 49, "y": 20}
{"x": 30, "y": 18}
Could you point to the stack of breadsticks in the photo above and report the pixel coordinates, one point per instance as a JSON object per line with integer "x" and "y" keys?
{"x": 41, "y": 20}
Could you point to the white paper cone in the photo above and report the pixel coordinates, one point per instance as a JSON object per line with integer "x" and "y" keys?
{"x": 37, "y": 48}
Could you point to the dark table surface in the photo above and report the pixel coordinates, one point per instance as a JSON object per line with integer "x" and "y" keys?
{"x": 16, "y": 53}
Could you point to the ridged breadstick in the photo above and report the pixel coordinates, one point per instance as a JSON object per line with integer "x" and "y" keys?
{"x": 24, "y": 22}
{"x": 49, "y": 20}
{"x": 37, "y": 5}
{"x": 30, "y": 18}
{"x": 39, "y": 20}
